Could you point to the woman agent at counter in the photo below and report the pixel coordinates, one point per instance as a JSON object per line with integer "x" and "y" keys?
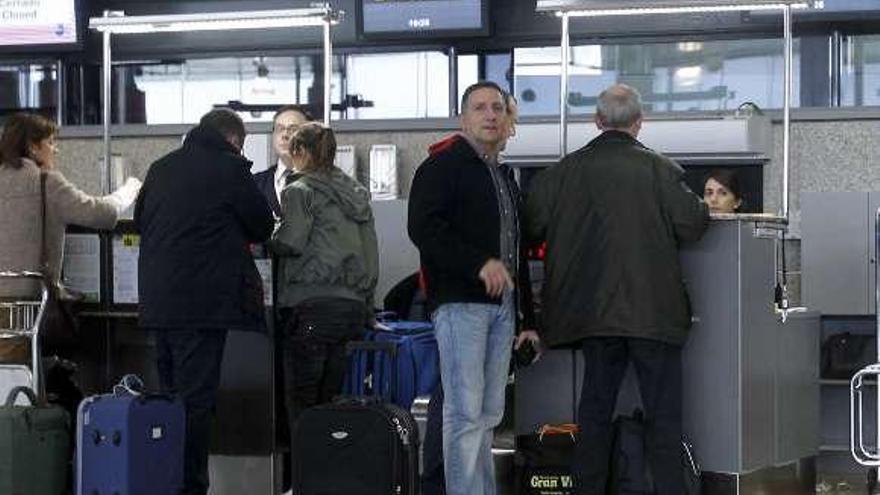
{"x": 329, "y": 263}
{"x": 722, "y": 192}
{"x": 27, "y": 160}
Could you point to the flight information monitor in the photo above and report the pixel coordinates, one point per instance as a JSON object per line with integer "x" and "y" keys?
{"x": 417, "y": 18}
{"x": 37, "y": 22}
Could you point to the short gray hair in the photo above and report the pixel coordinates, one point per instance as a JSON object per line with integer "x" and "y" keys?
{"x": 619, "y": 106}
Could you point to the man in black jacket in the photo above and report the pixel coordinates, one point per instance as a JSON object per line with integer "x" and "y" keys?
{"x": 197, "y": 213}
{"x": 613, "y": 214}
{"x": 464, "y": 219}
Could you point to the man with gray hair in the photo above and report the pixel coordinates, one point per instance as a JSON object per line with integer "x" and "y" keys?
{"x": 613, "y": 214}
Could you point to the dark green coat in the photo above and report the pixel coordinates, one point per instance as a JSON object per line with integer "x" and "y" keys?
{"x": 613, "y": 214}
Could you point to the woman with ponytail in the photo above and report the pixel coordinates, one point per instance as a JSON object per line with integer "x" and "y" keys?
{"x": 329, "y": 263}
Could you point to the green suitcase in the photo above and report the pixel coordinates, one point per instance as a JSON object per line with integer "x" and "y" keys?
{"x": 34, "y": 447}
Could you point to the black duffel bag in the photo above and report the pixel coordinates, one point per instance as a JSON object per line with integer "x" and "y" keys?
{"x": 845, "y": 353}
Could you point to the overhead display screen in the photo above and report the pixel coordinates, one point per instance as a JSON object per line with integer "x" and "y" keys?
{"x": 37, "y": 22}
{"x": 402, "y": 18}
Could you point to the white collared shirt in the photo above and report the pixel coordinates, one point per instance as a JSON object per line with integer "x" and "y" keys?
{"x": 281, "y": 173}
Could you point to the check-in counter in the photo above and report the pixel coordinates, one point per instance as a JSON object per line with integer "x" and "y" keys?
{"x": 750, "y": 380}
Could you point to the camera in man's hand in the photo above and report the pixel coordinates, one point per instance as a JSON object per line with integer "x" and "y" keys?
{"x": 525, "y": 354}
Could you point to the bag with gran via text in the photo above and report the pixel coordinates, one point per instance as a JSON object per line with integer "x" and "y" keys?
{"x": 544, "y": 460}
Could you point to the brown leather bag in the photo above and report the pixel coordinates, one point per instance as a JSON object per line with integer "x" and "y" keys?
{"x": 15, "y": 349}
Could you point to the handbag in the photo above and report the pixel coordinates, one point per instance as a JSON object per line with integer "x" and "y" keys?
{"x": 545, "y": 458}
{"x": 15, "y": 349}
{"x": 58, "y": 328}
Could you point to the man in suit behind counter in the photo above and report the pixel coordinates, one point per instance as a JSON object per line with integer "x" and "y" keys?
{"x": 272, "y": 180}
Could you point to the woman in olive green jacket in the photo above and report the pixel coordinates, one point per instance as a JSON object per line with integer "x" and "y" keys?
{"x": 328, "y": 267}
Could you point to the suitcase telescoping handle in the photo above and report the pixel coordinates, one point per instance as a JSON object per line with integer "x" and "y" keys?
{"x": 378, "y": 347}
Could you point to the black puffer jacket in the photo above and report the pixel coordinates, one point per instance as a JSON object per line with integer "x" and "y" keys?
{"x": 197, "y": 212}
{"x": 613, "y": 214}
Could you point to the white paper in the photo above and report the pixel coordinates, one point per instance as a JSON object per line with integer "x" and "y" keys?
{"x": 120, "y": 170}
{"x": 383, "y": 171}
{"x": 125, "y": 268}
{"x": 256, "y": 149}
{"x": 346, "y": 160}
{"x": 82, "y": 265}
{"x": 264, "y": 266}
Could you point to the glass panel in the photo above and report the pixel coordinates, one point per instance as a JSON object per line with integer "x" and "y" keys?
{"x": 706, "y": 75}
{"x": 498, "y": 69}
{"x": 29, "y": 87}
{"x": 468, "y": 73}
{"x": 160, "y": 88}
{"x": 411, "y": 85}
{"x": 860, "y": 71}
{"x": 183, "y": 92}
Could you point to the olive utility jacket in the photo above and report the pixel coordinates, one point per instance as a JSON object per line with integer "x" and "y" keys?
{"x": 326, "y": 240}
{"x": 614, "y": 214}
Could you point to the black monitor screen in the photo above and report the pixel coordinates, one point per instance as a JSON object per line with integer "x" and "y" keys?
{"x": 406, "y": 18}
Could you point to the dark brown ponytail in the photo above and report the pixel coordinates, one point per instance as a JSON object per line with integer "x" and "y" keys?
{"x": 318, "y": 142}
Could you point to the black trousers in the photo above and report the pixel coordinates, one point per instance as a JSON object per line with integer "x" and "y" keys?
{"x": 188, "y": 362}
{"x": 658, "y": 367}
{"x": 315, "y": 363}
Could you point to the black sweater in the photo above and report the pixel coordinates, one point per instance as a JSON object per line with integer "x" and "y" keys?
{"x": 454, "y": 222}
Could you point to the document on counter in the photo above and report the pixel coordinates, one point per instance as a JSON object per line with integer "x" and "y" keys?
{"x": 82, "y": 265}
{"x": 126, "y": 248}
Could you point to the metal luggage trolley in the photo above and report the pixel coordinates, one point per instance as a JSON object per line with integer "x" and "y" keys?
{"x": 22, "y": 319}
{"x": 864, "y": 453}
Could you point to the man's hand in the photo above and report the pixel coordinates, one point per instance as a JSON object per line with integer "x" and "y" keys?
{"x": 495, "y": 277}
{"x": 531, "y": 338}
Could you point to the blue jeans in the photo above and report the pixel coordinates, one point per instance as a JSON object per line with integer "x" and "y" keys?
{"x": 475, "y": 342}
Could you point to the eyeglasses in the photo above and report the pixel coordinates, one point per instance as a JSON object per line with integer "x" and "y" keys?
{"x": 286, "y": 129}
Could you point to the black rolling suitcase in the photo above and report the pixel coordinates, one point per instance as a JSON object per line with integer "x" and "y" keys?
{"x": 356, "y": 445}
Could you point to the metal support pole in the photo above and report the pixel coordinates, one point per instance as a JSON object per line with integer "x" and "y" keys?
{"x": 835, "y": 66}
{"x": 59, "y": 91}
{"x": 563, "y": 88}
{"x": 877, "y": 319}
{"x": 453, "y": 81}
{"x": 105, "y": 168}
{"x": 786, "y": 108}
{"x": 328, "y": 70}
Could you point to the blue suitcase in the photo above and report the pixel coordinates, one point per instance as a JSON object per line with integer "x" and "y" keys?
{"x": 130, "y": 443}
{"x": 417, "y": 363}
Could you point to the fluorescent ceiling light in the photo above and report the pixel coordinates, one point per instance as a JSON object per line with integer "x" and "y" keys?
{"x": 694, "y": 9}
{"x": 218, "y": 21}
{"x": 690, "y": 46}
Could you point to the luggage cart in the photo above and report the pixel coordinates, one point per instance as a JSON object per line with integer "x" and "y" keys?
{"x": 22, "y": 319}
{"x": 864, "y": 453}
